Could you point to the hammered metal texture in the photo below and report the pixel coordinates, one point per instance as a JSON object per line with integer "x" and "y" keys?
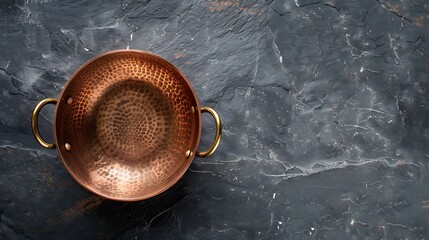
{"x": 129, "y": 125}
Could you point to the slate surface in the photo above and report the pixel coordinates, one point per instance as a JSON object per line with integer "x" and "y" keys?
{"x": 324, "y": 104}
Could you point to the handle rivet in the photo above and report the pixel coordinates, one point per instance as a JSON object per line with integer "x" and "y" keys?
{"x": 188, "y": 153}
{"x": 69, "y": 100}
{"x": 67, "y": 146}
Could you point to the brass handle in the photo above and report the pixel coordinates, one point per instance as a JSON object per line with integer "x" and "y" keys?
{"x": 218, "y": 135}
{"x": 35, "y": 122}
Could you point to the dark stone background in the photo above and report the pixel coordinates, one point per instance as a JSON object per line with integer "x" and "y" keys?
{"x": 325, "y": 105}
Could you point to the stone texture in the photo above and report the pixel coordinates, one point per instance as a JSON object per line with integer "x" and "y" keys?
{"x": 324, "y": 105}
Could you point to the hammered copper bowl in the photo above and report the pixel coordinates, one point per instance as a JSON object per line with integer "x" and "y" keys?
{"x": 127, "y": 125}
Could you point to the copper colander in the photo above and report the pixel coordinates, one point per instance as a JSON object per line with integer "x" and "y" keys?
{"x": 127, "y": 125}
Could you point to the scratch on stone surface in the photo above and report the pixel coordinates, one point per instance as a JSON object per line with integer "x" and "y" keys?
{"x": 237, "y": 159}
{"x": 402, "y": 162}
{"x": 209, "y": 162}
{"x": 216, "y": 198}
{"x": 38, "y": 68}
{"x": 393, "y": 9}
{"x": 328, "y": 4}
{"x": 356, "y": 126}
{"x": 306, "y": 4}
{"x": 11, "y": 75}
{"x": 370, "y": 70}
{"x": 273, "y": 175}
{"x": 345, "y": 105}
{"x": 200, "y": 171}
{"x": 320, "y": 186}
{"x": 332, "y": 5}
{"x": 227, "y": 229}
{"x": 278, "y": 12}
{"x": 158, "y": 215}
{"x": 372, "y": 183}
{"x": 273, "y": 156}
{"x": 353, "y": 222}
{"x": 47, "y": 119}
{"x": 314, "y": 70}
{"x": 335, "y": 166}
{"x": 269, "y": 203}
{"x": 376, "y": 111}
{"x": 400, "y": 225}
{"x": 83, "y": 45}
{"x": 356, "y": 204}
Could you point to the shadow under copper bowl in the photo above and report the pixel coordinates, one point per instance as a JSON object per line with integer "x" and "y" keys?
{"x": 127, "y": 125}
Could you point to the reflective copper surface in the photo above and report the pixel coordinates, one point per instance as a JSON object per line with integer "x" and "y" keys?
{"x": 126, "y": 126}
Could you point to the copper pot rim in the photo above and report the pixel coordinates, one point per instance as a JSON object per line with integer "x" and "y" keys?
{"x": 175, "y": 177}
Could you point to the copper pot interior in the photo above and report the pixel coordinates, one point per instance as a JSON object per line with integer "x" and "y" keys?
{"x": 127, "y": 125}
